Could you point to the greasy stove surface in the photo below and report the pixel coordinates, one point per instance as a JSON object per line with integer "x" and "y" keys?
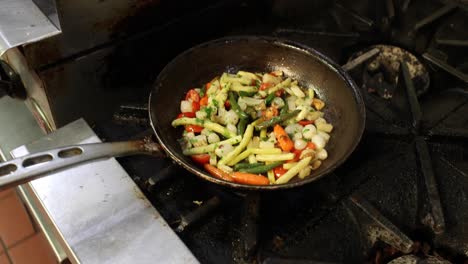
{"x": 403, "y": 191}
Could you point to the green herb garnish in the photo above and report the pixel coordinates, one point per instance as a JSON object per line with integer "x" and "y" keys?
{"x": 202, "y": 92}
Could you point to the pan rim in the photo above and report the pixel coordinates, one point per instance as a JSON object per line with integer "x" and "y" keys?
{"x": 284, "y": 43}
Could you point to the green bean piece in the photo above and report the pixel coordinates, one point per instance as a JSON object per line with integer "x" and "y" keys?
{"x": 285, "y": 108}
{"x": 247, "y": 94}
{"x": 269, "y": 98}
{"x": 263, "y": 168}
{"x": 277, "y": 119}
{"x": 244, "y": 165}
{"x": 241, "y": 126}
{"x": 202, "y": 91}
{"x": 236, "y": 107}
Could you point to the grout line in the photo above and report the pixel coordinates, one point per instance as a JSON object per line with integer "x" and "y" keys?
{"x": 21, "y": 241}
{"x": 5, "y": 250}
{"x": 30, "y": 217}
{"x": 6, "y": 197}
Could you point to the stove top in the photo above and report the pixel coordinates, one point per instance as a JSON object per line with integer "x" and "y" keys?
{"x": 403, "y": 192}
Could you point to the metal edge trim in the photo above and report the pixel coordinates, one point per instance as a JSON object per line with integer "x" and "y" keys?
{"x": 31, "y": 203}
{"x": 68, "y": 251}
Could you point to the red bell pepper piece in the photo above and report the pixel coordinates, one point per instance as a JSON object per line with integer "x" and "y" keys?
{"x": 195, "y": 106}
{"x": 279, "y": 171}
{"x": 264, "y": 86}
{"x": 305, "y": 122}
{"x": 193, "y": 95}
{"x": 193, "y": 128}
{"x": 201, "y": 158}
{"x": 186, "y": 114}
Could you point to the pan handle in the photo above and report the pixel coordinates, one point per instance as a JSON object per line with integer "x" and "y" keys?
{"x": 27, "y": 168}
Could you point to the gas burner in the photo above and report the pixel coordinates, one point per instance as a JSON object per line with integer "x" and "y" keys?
{"x": 411, "y": 259}
{"x": 421, "y": 252}
{"x": 132, "y": 114}
{"x": 379, "y": 74}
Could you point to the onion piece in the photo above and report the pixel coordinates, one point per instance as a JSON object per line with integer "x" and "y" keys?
{"x": 297, "y": 91}
{"x": 300, "y": 144}
{"x": 199, "y": 141}
{"x": 319, "y": 141}
{"x": 322, "y": 154}
{"x": 309, "y": 131}
{"x": 325, "y": 135}
{"x": 223, "y": 149}
{"x": 213, "y": 138}
{"x": 316, "y": 164}
{"x": 319, "y": 121}
{"x": 185, "y": 106}
{"x": 305, "y": 172}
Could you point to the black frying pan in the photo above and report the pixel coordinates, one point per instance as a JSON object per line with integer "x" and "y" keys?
{"x": 344, "y": 107}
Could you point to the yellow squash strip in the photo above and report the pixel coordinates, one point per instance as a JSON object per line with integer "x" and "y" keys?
{"x": 237, "y": 87}
{"x": 228, "y": 78}
{"x": 256, "y": 122}
{"x": 310, "y": 93}
{"x": 225, "y": 168}
{"x": 304, "y": 111}
{"x": 263, "y": 133}
{"x": 265, "y": 151}
{"x": 279, "y": 86}
{"x": 275, "y": 157}
{"x": 294, "y": 171}
{"x": 314, "y": 115}
{"x": 240, "y": 157}
{"x": 270, "y": 174}
{"x": 248, "y": 75}
{"x": 325, "y": 127}
{"x": 243, "y": 144}
{"x": 204, "y": 123}
{"x": 271, "y": 177}
{"x": 212, "y": 147}
{"x": 289, "y": 165}
{"x": 252, "y": 159}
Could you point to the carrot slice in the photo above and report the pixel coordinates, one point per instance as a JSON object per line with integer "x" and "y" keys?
{"x": 264, "y": 86}
{"x": 251, "y": 179}
{"x": 285, "y": 143}
{"x": 311, "y": 145}
{"x": 204, "y": 101}
{"x": 217, "y": 173}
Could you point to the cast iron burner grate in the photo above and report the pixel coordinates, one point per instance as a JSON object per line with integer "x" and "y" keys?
{"x": 403, "y": 192}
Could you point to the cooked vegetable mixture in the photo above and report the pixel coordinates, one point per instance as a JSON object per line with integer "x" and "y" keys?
{"x": 253, "y": 128}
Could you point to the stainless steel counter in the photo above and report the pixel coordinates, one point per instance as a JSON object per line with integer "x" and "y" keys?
{"x": 22, "y": 22}
{"x": 99, "y": 212}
